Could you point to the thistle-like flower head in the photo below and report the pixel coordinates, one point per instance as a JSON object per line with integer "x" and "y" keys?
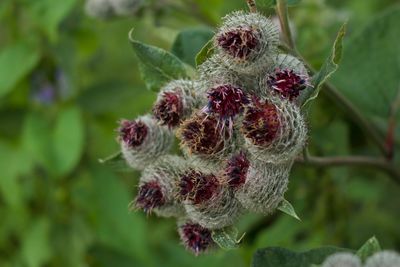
{"x": 261, "y": 123}
{"x": 287, "y": 83}
{"x": 197, "y": 187}
{"x": 201, "y": 134}
{"x": 195, "y": 237}
{"x": 168, "y": 109}
{"x": 133, "y": 133}
{"x": 236, "y": 169}
{"x": 150, "y": 196}
{"x": 239, "y": 42}
{"x": 226, "y": 101}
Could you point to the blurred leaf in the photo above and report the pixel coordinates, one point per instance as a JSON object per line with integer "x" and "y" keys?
{"x": 115, "y": 226}
{"x": 13, "y": 163}
{"x": 206, "y": 52}
{"x": 36, "y": 138}
{"x": 369, "y": 73}
{"x": 189, "y": 42}
{"x": 49, "y": 13}
{"x": 36, "y": 248}
{"x": 289, "y": 2}
{"x": 209, "y": 10}
{"x": 328, "y": 68}
{"x": 274, "y": 257}
{"x": 227, "y": 238}
{"x": 156, "y": 65}
{"x": 287, "y": 208}
{"x": 16, "y": 61}
{"x": 68, "y": 139}
{"x": 70, "y": 241}
{"x": 369, "y": 248}
{"x": 103, "y": 256}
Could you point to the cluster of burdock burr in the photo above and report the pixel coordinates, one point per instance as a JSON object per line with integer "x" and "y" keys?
{"x": 239, "y": 126}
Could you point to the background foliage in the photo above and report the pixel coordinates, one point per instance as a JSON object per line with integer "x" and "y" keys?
{"x": 66, "y": 79}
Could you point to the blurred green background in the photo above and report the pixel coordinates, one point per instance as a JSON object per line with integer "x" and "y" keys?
{"x": 65, "y": 81}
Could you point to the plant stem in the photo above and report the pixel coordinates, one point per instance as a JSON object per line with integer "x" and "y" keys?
{"x": 282, "y": 11}
{"x": 361, "y": 161}
{"x": 252, "y": 5}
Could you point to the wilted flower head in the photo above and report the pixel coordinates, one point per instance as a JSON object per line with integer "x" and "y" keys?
{"x": 201, "y": 134}
{"x": 195, "y": 237}
{"x": 342, "y": 259}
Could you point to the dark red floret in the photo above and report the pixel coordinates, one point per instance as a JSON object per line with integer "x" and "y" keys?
{"x": 133, "y": 133}
{"x": 197, "y": 187}
{"x": 261, "y": 123}
{"x": 287, "y": 83}
{"x": 150, "y": 196}
{"x": 168, "y": 110}
{"x": 236, "y": 170}
{"x": 195, "y": 237}
{"x": 202, "y": 135}
{"x": 226, "y": 100}
{"x": 239, "y": 42}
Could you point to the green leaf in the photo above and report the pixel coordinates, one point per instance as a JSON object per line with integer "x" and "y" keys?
{"x": 275, "y": 256}
{"x": 227, "y": 238}
{"x": 206, "y": 52}
{"x": 287, "y": 208}
{"x": 35, "y": 140}
{"x": 369, "y": 248}
{"x": 16, "y": 61}
{"x": 369, "y": 73}
{"x": 156, "y": 65}
{"x": 68, "y": 140}
{"x": 48, "y": 14}
{"x": 36, "y": 248}
{"x": 112, "y": 158}
{"x": 189, "y": 42}
{"x": 328, "y": 68}
{"x": 116, "y": 227}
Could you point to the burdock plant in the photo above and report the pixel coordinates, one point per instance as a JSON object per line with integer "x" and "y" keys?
{"x": 240, "y": 123}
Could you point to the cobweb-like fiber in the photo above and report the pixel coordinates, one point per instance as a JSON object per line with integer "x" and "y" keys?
{"x": 157, "y": 143}
{"x": 265, "y": 186}
{"x": 166, "y": 173}
{"x": 267, "y": 39}
{"x": 184, "y": 91}
{"x": 290, "y": 138}
{"x": 384, "y": 259}
{"x": 342, "y": 259}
